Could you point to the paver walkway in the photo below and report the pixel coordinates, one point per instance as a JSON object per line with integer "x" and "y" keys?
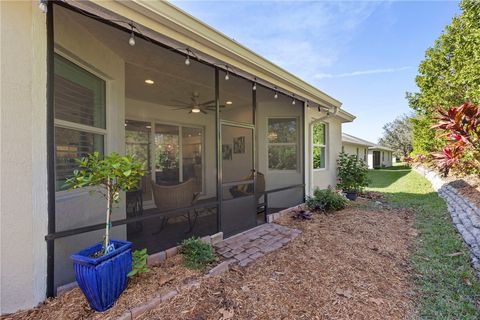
{"x": 252, "y": 244}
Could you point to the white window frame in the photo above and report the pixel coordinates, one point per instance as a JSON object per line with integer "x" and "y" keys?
{"x": 325, "y": 145}
{"x": 58, "y": 123}
{"x": 296, "y": 144}
{"x": 155, "y": 121}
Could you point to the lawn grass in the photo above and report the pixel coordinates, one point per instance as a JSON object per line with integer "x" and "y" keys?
{"x": 447, "y": 286}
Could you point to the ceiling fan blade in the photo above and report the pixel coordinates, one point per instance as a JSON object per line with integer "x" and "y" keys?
{"x": 181, "y": 102}
{"x": 207, "y": 102}
{"x": 181, "y": 108}
{"x": 203, "y": 111}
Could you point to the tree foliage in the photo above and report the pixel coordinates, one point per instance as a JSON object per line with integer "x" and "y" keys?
{"x": 449, "y": 75}
{"x": 397, "y": 135}
{"x": 109, "y": 176}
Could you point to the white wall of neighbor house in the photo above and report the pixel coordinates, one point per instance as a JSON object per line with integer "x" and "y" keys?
{"x": 23, "y": 163}
{"x": 386, "y": 158}
{"x": 77, "y": 208}
{"x": 350, "y": 148}
{"x": 322, "y": 178}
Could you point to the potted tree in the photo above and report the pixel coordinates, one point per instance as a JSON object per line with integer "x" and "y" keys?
{"x": 352, "y": 175}
{"x": 101, "y": 270}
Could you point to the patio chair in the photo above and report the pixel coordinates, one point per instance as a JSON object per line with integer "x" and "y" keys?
{"x": 173, "y": 197}
{"x": 246, "y": 189}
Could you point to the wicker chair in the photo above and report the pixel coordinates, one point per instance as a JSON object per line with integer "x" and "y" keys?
{"x": 246, "y": 189}
{"x": 173, "y": 197}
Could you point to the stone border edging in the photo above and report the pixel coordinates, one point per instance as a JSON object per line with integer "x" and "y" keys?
{"x": 465, "y": 215}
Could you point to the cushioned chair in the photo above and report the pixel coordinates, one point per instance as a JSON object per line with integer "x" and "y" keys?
{"x": 173, "y": 197}
{"x": 247, "y": 189}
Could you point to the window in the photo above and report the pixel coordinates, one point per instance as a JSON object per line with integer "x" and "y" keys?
{"x": 343, "y": 149}
{"x": 358, "y": 153}
{"x": 365, "y": 152}
{"x": 282, "y": 143}
{"x": 383, "y": 155}
{"x": 80, "y": 116}
{"x": 137, "y": 144}
{"x": 178, "y": 155}
{"x": 318, "y": 145}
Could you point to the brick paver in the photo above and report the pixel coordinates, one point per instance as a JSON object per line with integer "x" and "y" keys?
{"x": 250, "y": 245}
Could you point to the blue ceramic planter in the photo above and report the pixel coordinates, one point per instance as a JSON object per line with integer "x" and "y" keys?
{"x": 103, "y": 279}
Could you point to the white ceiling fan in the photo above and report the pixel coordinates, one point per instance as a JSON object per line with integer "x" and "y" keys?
{"x": 195, "y": 106}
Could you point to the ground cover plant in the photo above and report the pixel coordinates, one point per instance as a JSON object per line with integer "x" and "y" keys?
{"x": 139, "y": 263}
{"x": 196, "y": 253}
{"x": 447, "y": 286}
{"x": 325, "y": 200}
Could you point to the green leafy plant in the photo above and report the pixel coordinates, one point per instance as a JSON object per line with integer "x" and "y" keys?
{"x": 460, "y": 126}
{"x": 352, "y": 173}
{"x": 196, "y": 253}
{"x": 326, "y": 200}
{"x": 108, "y": 176}
{"x": 139, "y": 262}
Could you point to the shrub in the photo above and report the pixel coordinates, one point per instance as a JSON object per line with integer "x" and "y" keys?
{"x": 196, "y": 253}
{"x": 326, "y": 200}
{"x": 352, "y": 173}
{"x": 460, "y": 126}
{"x": 139, "y": 262}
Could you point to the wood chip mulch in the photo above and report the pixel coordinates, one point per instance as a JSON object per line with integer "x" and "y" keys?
{"x": 352, "y": 264}
{"x": 349, "y": 265}
{"x": 73, "y": 305}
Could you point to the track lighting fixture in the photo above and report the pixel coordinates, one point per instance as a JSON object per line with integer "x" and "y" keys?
{"x": 254, "y": 84}
{"x": 43, "y": 6}
{"x": 227, "y": 74}
{"x": 131, "y": 41}
{"x": 187, "y": 61}
{"x": 293, "y": 99}
{"x": 276, "y": 93}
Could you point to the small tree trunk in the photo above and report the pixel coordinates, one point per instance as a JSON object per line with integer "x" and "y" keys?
{"x": 109, "y": 213}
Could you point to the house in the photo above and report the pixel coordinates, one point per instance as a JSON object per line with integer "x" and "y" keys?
{"x": 356, "y": 146}
{"x": 374, "y": 155}
{"x": 224, "y": 135}
{"x": 380, "y": 157}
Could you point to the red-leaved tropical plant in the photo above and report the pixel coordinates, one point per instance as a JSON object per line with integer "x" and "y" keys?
{"x": 460, "y": 126}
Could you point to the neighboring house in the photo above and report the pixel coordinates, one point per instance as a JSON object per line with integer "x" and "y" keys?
{"x": 380, "y": 157}
{"x": 142, "y": 77}
{"x": 356, "y": 146}
{"x": 375, "y": 155}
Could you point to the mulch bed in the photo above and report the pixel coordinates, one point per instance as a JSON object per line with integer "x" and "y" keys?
{"x": 349, "y": 265}
{"x": 352, "y": 264}
{"x": 73, "y": 305}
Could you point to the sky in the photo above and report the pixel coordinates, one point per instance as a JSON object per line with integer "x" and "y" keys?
{"x": 363, "y": 53}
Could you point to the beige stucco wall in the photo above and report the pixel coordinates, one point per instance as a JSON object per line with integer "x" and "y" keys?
{"x": 23, "y": 196}
{"x": 350, "y": 148}
{"x": 322, "y": 178}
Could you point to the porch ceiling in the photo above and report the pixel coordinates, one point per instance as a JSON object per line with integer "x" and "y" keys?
{"x": 166, "y": 23}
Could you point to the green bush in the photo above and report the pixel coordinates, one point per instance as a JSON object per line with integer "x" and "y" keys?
{"x": 352, "y": 173}
{"x": 139, "y": 262}
{"x": 196, "y": 253}
{"x": 326, "y": 200}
